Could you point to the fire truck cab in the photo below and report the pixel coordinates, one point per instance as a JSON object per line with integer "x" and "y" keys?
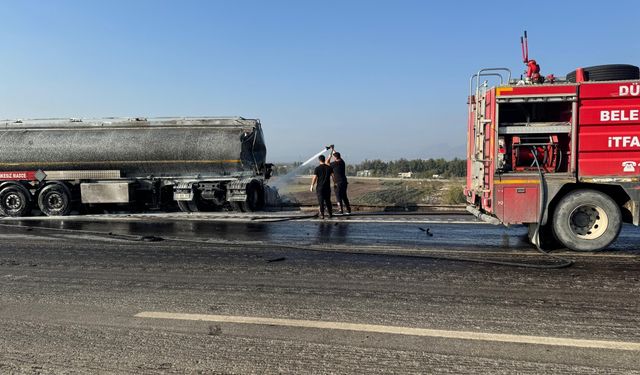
{"x": 562, "y": 157}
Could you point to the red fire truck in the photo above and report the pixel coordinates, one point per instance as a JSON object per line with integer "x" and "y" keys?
{"x": 559, "y": 155}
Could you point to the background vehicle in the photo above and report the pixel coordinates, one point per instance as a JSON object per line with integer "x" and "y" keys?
{"x": 201, "y": 164}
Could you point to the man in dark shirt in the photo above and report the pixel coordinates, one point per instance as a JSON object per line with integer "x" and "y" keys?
{"x": 322, "y": 180}
{"x": 340, "y": 181}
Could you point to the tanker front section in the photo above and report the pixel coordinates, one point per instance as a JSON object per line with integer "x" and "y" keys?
{"x": 198, "y": 163}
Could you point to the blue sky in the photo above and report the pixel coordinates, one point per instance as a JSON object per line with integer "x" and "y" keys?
{"x": 380, "y": 79}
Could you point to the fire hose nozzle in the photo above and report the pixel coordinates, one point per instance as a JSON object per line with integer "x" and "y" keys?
{"x": 330, "y": 147}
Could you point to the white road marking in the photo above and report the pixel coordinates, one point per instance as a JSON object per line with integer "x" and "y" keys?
{"x": 396, "y": 330}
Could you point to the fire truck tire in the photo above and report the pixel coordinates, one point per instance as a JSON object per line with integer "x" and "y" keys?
{"x": 548, "y": 240}
{"x": 15, "y": 201}
{"x": 612, "y": 72}
{"x": 587, "y": 220}
{"x": 55, "y": 200}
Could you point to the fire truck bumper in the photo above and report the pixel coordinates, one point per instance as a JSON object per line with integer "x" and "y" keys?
{"x": 483, "y": 216}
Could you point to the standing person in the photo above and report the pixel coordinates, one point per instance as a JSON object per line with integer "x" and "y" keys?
{"x": 322, "y": 180}
{"x": 340, "y": 181}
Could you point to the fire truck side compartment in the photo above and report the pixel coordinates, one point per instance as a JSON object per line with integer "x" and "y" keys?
{"x": 518, "y": 203}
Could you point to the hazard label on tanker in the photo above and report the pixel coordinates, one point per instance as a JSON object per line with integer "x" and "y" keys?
{"x": 22, "y": 175}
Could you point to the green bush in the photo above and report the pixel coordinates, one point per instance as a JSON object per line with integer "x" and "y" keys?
{"x": 455, "y": 195}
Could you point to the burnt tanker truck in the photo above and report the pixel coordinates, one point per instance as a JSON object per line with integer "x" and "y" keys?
{"x": 198, "y": 164}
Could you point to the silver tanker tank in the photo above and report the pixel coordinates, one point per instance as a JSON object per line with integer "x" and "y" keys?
{"x": 138, "y": 148}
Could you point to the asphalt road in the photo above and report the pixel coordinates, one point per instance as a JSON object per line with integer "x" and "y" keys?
{"x": 150, "y": 295}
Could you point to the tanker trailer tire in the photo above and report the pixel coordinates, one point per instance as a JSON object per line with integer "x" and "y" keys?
{"x": 587, "y": 220}
{"x": 255, "y": 197}
{"x": 15, "y": 201}
{"x": 198, "y": 204}
{"x": 55, "y": 200}
{"x": 187, "y": 206}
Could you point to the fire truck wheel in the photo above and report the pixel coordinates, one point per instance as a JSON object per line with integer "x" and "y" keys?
{"x": 587, "y": 220}
{"x": 611, "y": 72}
{"x": 55, "y": 200}
{"x": 548, "y": 240}
{"x": 14, "y": 201}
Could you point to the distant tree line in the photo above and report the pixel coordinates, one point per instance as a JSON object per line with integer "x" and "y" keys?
{"x": 421, "y": 168}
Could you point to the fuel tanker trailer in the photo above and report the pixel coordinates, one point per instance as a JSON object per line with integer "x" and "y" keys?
{"x": 200, "y": 164}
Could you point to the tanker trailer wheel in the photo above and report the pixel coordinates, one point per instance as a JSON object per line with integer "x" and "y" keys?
{"x": 198, "y": 204}
{"x": 187, "y": 206}
{"x": 55, "y": 200}
{"x": 587, "y": 220}
{"x": 255, "y": 197}
{"x": 15, "y": 201}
